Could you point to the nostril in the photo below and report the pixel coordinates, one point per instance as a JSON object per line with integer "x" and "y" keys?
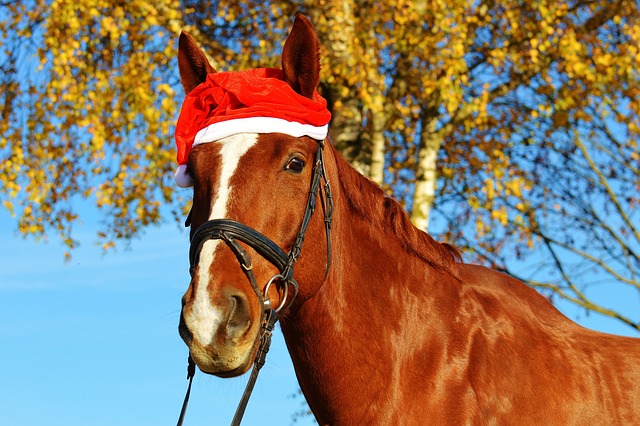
{"x": 239, "y": 315}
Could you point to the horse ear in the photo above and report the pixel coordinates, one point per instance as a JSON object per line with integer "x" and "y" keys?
{"x": 301, "y": 58}
{"x": 192, "y": 62}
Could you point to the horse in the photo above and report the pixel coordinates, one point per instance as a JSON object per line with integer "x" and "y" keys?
{"x": 384, "y": 325}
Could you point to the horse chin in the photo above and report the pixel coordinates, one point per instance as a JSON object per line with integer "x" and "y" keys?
{"x": 224, "y": 362}
{"x": 233, "y": 373}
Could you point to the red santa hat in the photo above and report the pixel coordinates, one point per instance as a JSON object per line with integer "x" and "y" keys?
{"x": 252, "y": 101}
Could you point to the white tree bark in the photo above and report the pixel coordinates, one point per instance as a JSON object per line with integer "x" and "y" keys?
{"x": 376, "y": 171}
{"x": 426, "y": 179}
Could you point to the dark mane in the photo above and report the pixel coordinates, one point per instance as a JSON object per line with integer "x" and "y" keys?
{"x": 369, "y": 201}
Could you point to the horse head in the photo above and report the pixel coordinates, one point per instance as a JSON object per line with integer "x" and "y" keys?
{"x": 249, "y": 143}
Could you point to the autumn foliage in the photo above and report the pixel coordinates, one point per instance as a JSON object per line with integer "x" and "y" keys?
{"x": 511, "y": 128}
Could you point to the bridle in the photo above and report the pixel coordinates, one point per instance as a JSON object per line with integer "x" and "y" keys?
{"x": 231, "y": 231}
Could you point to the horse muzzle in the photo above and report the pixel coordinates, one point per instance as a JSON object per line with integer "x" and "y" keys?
{"x": 222, "y": 342}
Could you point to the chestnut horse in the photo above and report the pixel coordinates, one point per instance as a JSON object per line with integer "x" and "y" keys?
{"x": 394, "y": 329}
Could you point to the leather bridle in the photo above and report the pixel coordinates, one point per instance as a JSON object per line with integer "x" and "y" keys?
{"x": 231, "y": 232}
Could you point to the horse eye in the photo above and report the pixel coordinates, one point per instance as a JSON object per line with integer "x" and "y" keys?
{"x": 295, "y": 165}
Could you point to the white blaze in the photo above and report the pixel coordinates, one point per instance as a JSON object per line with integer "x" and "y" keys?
{"x": 203, "y": 319}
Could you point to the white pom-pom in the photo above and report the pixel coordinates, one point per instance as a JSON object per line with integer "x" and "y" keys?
{"x": 183, "y": 180}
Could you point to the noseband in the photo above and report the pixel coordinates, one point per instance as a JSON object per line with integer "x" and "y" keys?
{"x": 231, "y": 232}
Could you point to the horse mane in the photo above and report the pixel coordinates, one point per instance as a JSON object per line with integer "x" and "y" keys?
{"x": 369, "y": 201}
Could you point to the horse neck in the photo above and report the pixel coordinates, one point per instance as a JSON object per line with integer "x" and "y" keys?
{"x": 351, "y": 333}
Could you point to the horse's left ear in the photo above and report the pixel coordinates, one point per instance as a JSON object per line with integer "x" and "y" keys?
{"x": 301, "y": 58}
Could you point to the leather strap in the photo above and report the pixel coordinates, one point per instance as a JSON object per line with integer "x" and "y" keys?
{"x": 191, "y": 371}
{"x": 265, "y": 344}
{"x": 214, "y": 230}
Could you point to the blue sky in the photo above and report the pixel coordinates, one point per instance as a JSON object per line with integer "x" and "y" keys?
{"x": 95, "y": 342}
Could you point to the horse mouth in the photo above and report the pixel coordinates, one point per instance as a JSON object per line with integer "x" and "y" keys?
{"x": 231, "y": 364}
{"x": 229, "y": 374}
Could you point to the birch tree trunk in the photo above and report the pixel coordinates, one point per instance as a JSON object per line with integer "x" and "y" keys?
{"x": 378, "y": 146}
{"x": 426, "y": 176}
{"x": 375, "y": 88}
{"x": 336, "y": 23}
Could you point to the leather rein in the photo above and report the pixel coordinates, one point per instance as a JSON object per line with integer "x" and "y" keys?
{"x": 231, "y": 232}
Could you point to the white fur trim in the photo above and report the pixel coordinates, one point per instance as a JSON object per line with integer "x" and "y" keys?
{"x": 224, "y": 129}
{"x": 183, "y": 180}
{"x": 228, "y": 128}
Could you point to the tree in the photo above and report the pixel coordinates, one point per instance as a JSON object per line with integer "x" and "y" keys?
{"x": 88, "y": 111}
{"x": 511, "y": 126}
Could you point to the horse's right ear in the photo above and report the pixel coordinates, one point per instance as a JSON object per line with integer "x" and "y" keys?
{"x": 192, "y": 62}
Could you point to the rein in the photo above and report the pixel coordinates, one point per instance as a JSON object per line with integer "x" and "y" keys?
{"x": 231, "y": 232}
